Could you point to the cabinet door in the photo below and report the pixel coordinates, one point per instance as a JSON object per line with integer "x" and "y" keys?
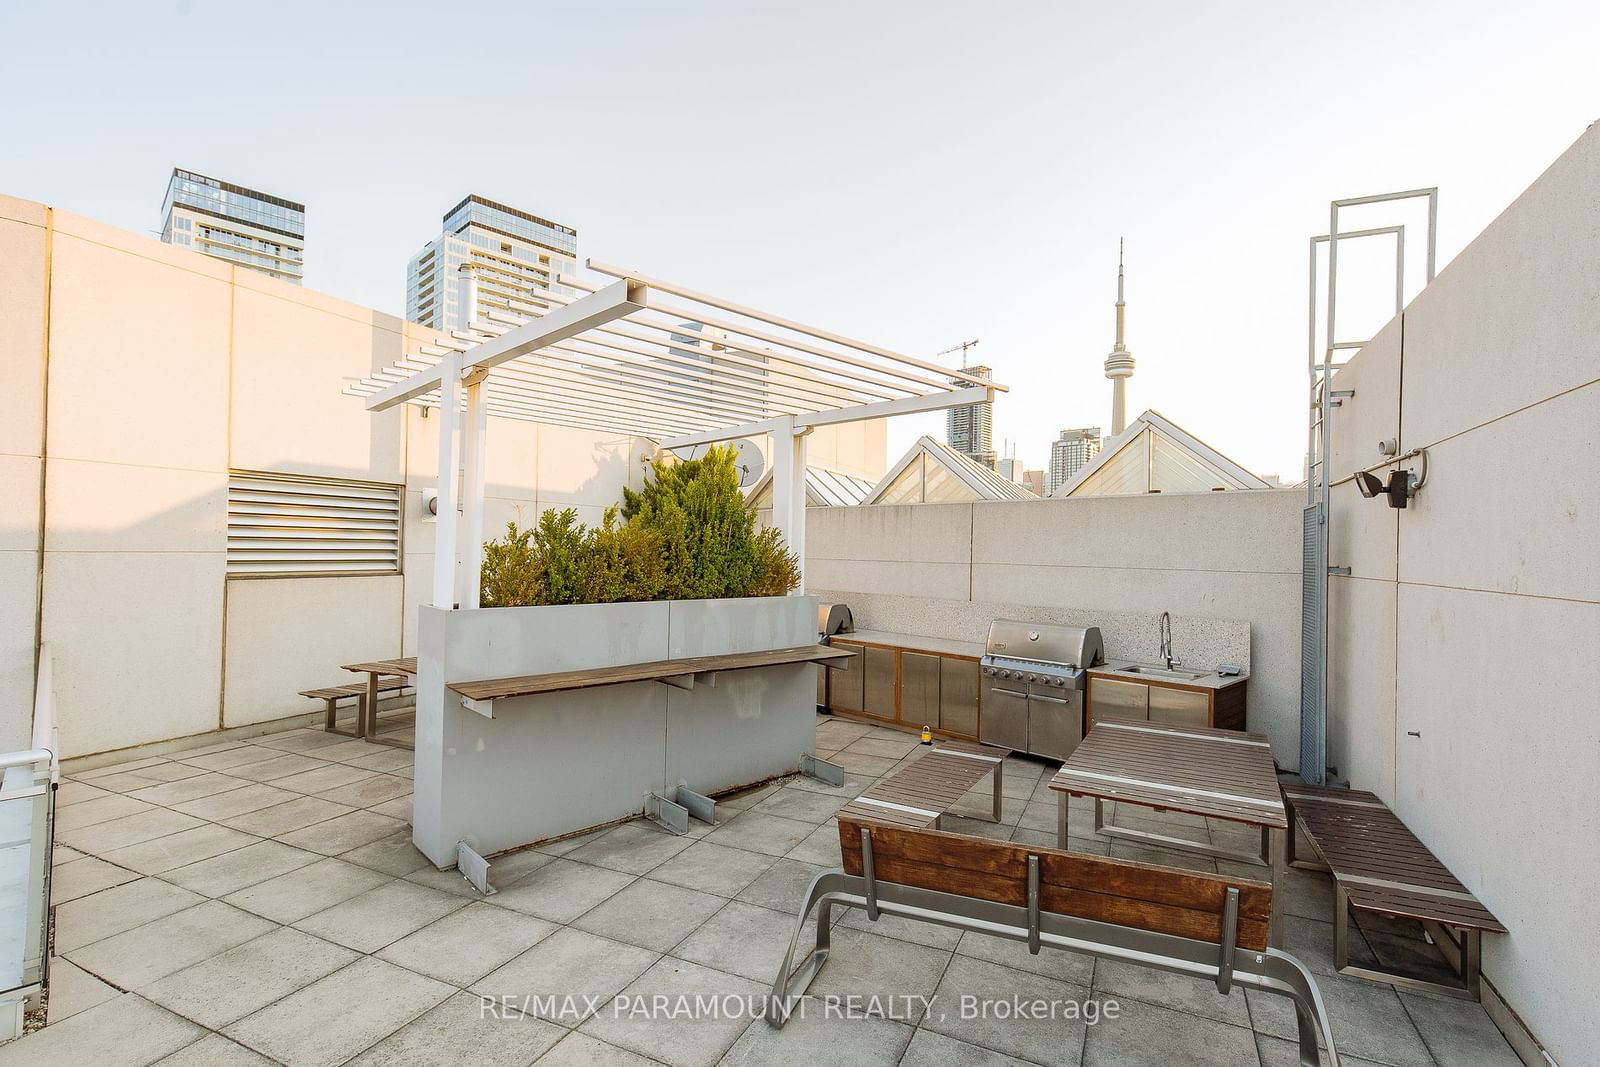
{"x": 881, "y": 687}
{"x": 958, "y": 696}
{"x": 919, "y": 689}
{"x": 844, "y": 688}
{"x": 1112, "y": 698}
{"x": 1179, "y": 707}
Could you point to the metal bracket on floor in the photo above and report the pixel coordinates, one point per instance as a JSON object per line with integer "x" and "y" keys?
{"x": 816, "y": 767}
{"x": 698, "y": 805}
{"x": 670, "y": 815}
{"x": 473, "y": 867}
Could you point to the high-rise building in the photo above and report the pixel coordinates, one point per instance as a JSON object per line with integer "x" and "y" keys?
{"x": 514, "y": 256}
{"x": 253, "y": 229}
{"x": 969, "y": 429}
{"x": 1070, "y": 453}
{"x": 1119, "y": 364}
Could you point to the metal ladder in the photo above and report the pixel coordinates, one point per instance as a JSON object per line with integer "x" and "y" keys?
{"x": 1322, "y": 398}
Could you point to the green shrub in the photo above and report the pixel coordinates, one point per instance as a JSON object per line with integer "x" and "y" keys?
{"x": 687, "y": 535}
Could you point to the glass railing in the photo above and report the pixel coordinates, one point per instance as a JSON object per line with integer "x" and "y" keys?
{"x": 27, "y": 823}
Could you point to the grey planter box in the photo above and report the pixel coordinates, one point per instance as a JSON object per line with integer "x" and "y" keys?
{"x": 558, "y": 763}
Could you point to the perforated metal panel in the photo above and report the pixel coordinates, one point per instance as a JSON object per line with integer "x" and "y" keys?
{"x": 1313, "y": 646}
{"x": 311, "y": 526}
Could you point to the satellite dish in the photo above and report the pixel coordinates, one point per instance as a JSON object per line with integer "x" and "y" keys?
{"x": 688, "y": 452}
{"x": 747, "y": 459}
{"x": 751, "y": 463}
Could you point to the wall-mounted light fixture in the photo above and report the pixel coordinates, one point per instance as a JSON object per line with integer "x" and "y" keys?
{"x": 1400, "y": 486}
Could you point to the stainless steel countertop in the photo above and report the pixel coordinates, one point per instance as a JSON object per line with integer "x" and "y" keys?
{"x": 1116, "y": 669}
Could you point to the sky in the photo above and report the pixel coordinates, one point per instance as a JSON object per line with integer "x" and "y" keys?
{"x": 912, "y": 174}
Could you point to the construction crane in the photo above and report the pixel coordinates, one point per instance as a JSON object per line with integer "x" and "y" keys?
{"x": 962, "y": 348}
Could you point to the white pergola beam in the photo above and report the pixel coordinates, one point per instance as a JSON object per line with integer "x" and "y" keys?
{"x": 785, "y": 324}
{"x": 769, "y": 361}
{"x": 908, "y": 406}
{"x": 613, "y": 302}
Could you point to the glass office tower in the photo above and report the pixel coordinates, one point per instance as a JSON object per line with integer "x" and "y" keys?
{"x": 244, "y": 226}
{"x": 514, "y": 256}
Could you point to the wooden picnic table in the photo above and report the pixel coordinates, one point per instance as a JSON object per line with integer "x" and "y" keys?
{"x": 367, "y": 713}
{"x": 1218, "y": 774}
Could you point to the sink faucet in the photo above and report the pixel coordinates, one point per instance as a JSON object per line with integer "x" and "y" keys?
{"x": 1166, "y": 642}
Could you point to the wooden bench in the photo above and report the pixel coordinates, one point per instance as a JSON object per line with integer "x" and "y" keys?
{"x": 1379, "y": 866}
{"x": 920, "y": 793}
{"x": 334, "y": 693}
{"x": 682, "y": 673}
{"x": 1190, "y": 923}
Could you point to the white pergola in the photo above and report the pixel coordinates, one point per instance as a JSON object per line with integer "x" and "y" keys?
{"x": 644, "y": 357}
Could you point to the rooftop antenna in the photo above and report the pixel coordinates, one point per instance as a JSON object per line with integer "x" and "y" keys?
{"x": 962, "y": 347}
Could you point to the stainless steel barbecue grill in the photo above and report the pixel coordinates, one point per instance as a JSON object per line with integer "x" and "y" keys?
{"x": 1034, "y": 676}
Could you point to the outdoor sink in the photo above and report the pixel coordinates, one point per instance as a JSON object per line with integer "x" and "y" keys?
{"x": 1162, "y": 672}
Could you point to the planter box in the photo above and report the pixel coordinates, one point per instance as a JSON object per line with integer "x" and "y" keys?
{"x": 557, "y": 763}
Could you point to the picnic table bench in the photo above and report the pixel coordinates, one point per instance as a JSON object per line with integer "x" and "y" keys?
{"x": 1378, "y": 865}
{"x": 920, "y": 793}
{"x": 334, "y": 693}
{"x": 1184, "y": 922}
{"x": 376, "y": 671}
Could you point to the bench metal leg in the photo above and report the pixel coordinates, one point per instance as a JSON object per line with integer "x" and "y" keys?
{"x": 1277, "y": 847}
{"x": 792, "y": 982}
{"x": 1465, "y": 955}
{"x": 1105, "y": 828}
{"x": 333, "y": 715}
{"x": 1061, "y": 821}
{"x": 999, "y": 772}
{"x": 1267, "y": 971}
{"x": 369, "y": 727}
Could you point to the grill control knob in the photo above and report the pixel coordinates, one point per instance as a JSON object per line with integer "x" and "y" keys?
{"x": 1058, "y": 682}
{"x": 1031, "y": 678}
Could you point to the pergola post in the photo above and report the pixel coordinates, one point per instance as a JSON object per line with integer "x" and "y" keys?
{"x": 474, "y": 438}
{"x": 474, "y": 435}
{"x": 444, "y": 533}
{"x": 789, "y": 488}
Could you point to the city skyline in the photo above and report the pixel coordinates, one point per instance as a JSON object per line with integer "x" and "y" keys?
{"x": 1221, "y": 275}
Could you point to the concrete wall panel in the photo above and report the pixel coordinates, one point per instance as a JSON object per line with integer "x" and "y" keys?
{"x": 1361, "y": 694}
{"x": 162, "y": 367}
{"x": 21, "y": 327}
{"x": 115, "y": 507}
{"x": 1513, "y": 506}
{"x": 914, "y": 533}
{"x": 1500, "y": 784}
{"x": 289, "y": 634}
{"x": 137, "y": 638}
{"x": 1513, "y": 320}
{"x": 291, "y": 359}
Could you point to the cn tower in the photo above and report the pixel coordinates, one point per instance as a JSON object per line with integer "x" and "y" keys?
{"x": 1119, "y": 364}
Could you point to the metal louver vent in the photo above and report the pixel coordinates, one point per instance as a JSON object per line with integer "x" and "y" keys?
{"x": 311, "y": 526}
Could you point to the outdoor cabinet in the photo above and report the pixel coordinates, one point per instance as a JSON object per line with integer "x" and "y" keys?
{"x": 1180, "y": 707}
{"x": 1112, "y": 698}
{"x": 845, "y": 687}
{"x": 881, "y": 683}
{"x": 958, "y": 696}
{"x": 1222, "y": 707}
{"x": 919, "y": 689}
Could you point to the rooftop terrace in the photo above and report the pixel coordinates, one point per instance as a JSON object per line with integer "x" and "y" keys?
{"x": 260, "y": 901}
